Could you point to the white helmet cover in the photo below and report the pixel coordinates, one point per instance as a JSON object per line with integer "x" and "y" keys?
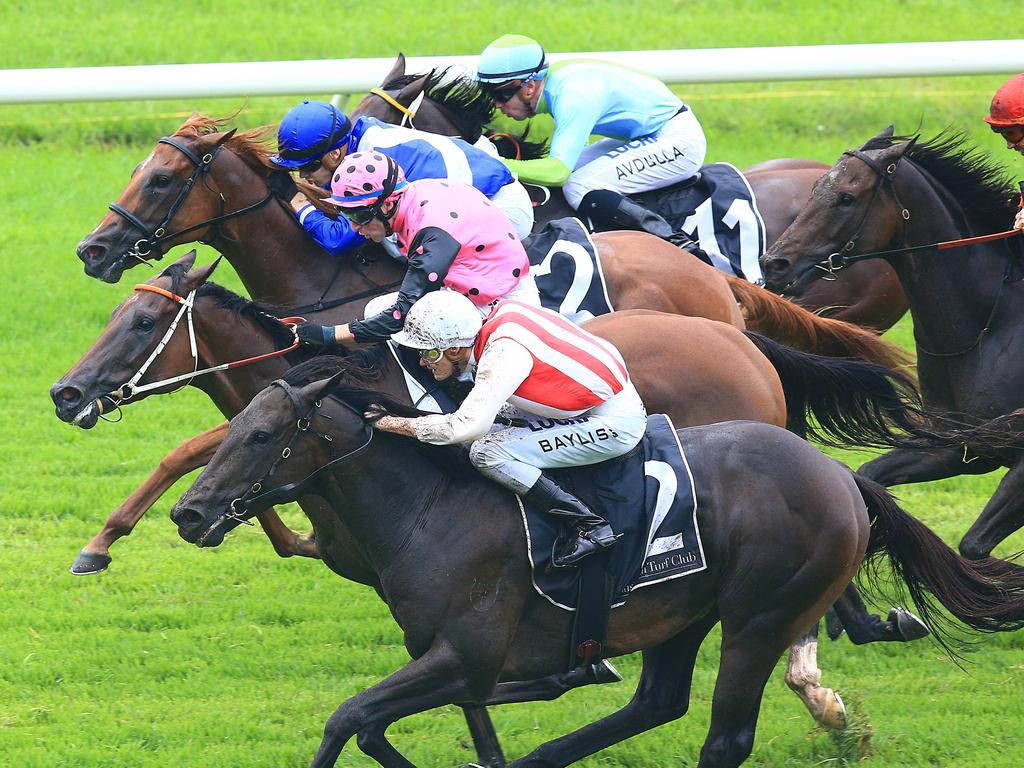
{"x": 440, "y": 320}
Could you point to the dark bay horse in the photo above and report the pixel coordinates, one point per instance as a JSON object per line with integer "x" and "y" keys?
{"x": 784, "y": 528}
{"x": 967, "y": 303}
{"x": 698, "y": 371}
{"x": 868, "y": 294}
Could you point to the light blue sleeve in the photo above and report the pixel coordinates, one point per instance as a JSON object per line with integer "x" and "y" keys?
{"x": 575, "y": 117}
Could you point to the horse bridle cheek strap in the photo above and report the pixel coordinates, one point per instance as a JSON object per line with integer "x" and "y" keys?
{"x": 155, "y": 237}
{"x": 255, "y": 500}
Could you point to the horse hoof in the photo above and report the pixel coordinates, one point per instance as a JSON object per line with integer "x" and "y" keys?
{"x": 908, "y": 626}
{"x": 88, "y": 563}
{"x": 604, "y": 672}
{"x": 834, "y": 716}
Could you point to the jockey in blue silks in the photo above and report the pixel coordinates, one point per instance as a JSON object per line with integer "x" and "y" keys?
{"x": 654, "y": 139}
{"x": 314, "y": 137}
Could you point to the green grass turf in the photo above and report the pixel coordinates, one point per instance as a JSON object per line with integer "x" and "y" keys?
{"x": 233, "y": 657}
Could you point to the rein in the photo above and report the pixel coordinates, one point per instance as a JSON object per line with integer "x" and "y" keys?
{"x": 841, "y": 259}
{"x": 131, "y": 388}
{"x": 156, "y": 236}
{"x": 408, "y": 113}
{"x": 252, "y": 502}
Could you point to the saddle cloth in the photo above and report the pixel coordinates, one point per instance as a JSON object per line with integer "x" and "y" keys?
{"x": 648, "y": 496}
{"x": 564, "y": 262}
{"x": 719, "y": 212}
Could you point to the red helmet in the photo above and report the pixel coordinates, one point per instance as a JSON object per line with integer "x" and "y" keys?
{"x": 1008, "y": 104}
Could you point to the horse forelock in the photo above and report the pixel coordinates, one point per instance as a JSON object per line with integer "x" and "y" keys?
{"x": 254, "y": 146}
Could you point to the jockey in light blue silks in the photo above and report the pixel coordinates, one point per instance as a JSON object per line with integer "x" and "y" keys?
{"x": 655, "y": 139}
{"x": 314, "y": 137}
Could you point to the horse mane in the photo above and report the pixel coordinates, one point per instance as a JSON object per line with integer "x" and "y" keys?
{"x": 979, "y": 184}
{"x": 362, "y": 368}
{"x": 263, "y": 314}
{"x": 253, "y": 146}
{"x": 470, "y": 107}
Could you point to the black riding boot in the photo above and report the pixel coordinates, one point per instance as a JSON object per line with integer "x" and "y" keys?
{"x": 592, "y": 531}
{"x": 614, "y": 210}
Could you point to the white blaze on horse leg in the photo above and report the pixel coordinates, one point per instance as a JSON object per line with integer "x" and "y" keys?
{"x": 804, "y": 678}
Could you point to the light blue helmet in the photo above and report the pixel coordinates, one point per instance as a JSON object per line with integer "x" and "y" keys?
{"x": 308, "y": 132}
{"x": 512, "y": 57}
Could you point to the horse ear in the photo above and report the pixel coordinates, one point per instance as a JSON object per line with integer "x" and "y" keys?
{"x": 407, "y": 95}
{"x": 220, "y": 138}
{"x": 197, "y": 277}
{"x": 185, "y": 261}
{"x": 318, "y": 389}
{"x": 884, "y": 139}
{"x": 397, "y": 70}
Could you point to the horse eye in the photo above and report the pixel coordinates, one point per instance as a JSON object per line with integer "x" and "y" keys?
{"x": 144, "y": 323}
{"x": 846, "y": 199}
{"x": 261, "y": 437}
{"x": 161, "y": 180}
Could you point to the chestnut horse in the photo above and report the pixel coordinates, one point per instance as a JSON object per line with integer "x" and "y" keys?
{"x": 868, "y": 294}
{"x": 784, "y": 528}
{"x": 891, "y": 195}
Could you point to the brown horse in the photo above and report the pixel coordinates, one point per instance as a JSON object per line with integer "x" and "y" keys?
{"x": 869, "y": 294}
{"x": 784, "y": 528}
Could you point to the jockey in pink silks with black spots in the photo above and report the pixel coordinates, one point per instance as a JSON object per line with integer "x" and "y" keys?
{"x": 453, "y": 236}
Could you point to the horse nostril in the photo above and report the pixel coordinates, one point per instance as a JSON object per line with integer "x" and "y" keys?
{"x": 777, "y": 264}
{"x": 91, "y": 252}
{"x": 186, "y": 517}
{"x": 67, "y": 397}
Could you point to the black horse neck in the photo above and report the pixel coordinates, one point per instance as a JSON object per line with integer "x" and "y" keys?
{"x": 952, "y": 294}
{"x": 280, "y": 264}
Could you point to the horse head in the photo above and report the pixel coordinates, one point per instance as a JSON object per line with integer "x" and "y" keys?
{"x": 853, "y": 207}
{"x": 136, "y": 327}
{"x": 271, "y": 453}
{"x": 178, "y": 194}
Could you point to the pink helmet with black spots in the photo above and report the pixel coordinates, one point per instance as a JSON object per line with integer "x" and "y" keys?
{"x": 366, "y": 179}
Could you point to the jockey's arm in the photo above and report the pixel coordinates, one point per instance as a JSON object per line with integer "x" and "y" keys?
{"x": 431, "y": 255}
{"x": 503, "y": 367}
{"x": 576, "y": 118}
{"x": 549, "y": 171}
{"x": 335, "y": 236}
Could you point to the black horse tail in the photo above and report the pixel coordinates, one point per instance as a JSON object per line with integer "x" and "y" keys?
{"x": 986, "y": 595}
{"x": 853, "y": 402}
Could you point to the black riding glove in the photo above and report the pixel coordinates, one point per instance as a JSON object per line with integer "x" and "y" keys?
{"x": 316, "y": 335}
{"x": 282, "y": 185}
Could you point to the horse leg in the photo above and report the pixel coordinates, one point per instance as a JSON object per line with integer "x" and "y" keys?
{"x": 662, "y": 695}
{"x": 1003, "y": 515}
{"x": 804, "y": 678}
{"x": 911, "y": 465}
{"x": 434, "y": 679}
{"x": 901, "y": 626}
{"x": 553, "y": 686}
{"x": 190, "y": 455}
{"x": 485, "y": 738}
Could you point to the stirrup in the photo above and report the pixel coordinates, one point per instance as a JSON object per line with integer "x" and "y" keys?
{"x": 586, "y": 544}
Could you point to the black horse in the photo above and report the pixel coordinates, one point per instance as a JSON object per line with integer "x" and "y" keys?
{"x": 967, "y": 303}
{"x": 784, "y": 529}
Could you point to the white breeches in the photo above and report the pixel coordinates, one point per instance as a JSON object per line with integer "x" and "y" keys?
{"x": 515, "y": 456}
{"x": 673, "y": 153}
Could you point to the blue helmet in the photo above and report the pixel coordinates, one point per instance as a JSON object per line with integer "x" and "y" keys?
{"x": 308, "y": 132}
{"x": 512, "y": 57}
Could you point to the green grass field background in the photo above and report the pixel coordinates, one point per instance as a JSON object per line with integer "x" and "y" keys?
{"x": 233, "y": 657}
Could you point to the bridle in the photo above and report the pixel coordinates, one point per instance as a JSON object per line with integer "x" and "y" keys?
{"x": 132, "y": 388}
{"x": 255, "y": 499}
{"x": 157, "y": 236}
{"x": 408, "y": 113}
{"x": 842, "y": 258}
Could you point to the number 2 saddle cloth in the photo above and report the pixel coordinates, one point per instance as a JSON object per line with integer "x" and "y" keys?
{"x": 649, "y": 496}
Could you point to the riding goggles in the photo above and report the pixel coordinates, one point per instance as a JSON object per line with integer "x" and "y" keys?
{"x": 311, "y": 167}
{"x": 502, "y": 93}
{"x": 1014, "y": 134}
{"x": 431, "y": 355}
{"x": 360, "y": 216}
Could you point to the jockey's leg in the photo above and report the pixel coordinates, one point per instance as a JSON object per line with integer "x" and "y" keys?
{"x": 515, "y": 457}
{"x": 514, "y": 201}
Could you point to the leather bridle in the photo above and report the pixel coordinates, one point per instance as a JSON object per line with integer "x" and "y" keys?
{"x": 156, "y": 236}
